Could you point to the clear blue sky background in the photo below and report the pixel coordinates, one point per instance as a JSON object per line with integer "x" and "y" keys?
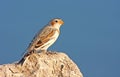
{"x": 90, "y": 35}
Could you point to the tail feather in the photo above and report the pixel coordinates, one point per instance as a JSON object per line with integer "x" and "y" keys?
{"x": 25, "y": 56}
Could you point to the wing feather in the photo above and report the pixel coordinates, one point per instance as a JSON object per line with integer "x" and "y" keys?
{"x": 42, "y": 37}
{"x": 45, "y": 37}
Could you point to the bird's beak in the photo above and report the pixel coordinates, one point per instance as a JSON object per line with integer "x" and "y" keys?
{"x": 61, "y": 22}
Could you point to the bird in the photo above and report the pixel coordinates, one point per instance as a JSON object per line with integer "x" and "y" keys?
{"x": 44, "y": 38}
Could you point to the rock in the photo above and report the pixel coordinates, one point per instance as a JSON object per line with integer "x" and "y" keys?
{"x": 50, "y": 64}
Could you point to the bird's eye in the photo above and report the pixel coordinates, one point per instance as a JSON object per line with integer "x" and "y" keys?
{"x": 56, "y": 21}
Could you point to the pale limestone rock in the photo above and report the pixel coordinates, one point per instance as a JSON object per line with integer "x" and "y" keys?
{"x": 50, "y": 64}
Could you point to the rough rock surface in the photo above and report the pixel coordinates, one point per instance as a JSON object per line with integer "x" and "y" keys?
{"x": 50, "y": 64}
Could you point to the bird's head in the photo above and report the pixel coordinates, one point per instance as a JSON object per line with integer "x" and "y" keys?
{"x": 57, "y": 22}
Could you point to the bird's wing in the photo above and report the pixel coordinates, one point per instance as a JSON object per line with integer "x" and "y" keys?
{"x": 45, "y": 36}
{"x": 42, "y": 37}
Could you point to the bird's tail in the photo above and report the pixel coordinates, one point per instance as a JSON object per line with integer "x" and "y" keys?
{"x": 25, "y": 56}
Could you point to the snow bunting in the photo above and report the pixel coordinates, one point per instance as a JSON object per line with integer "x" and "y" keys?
{"x": 45, "y": 37}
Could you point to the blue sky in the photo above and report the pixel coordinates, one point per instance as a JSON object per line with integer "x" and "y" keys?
{"x": 90, "y": 35}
